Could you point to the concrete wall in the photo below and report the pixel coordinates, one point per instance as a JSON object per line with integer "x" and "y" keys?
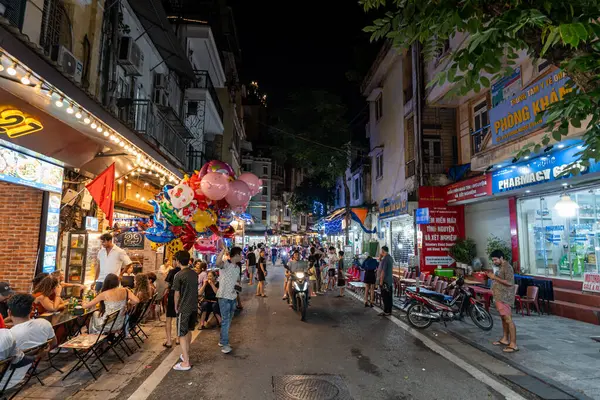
{"x": 389, "y": 133}
{"x": 484, "y": 219}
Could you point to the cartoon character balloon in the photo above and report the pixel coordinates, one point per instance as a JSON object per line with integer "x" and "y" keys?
{"x": 252, "y": 181}
{"x": 187, "y": 212}
{"x": 214, "y": 185}
{"x": 202, "y": 219}
{"x": 239, "y": 193}
{"x": 181, "y": 195}
{"x": 219, "y": 167}
{"x": 169, "y": 213}
{"x": 203, "y": 245}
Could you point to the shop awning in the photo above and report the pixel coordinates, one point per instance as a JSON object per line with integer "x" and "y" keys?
{"x": 333, "y": 222}
{"x": 153, "y": 17}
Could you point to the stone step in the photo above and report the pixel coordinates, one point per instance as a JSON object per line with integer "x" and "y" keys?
{"x": 577, "y": 297}
{"x": 579, "y": 312}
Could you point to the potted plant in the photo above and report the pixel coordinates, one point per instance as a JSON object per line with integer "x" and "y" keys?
{"x": 463, "y": 251}
{"x": 495, "y": 243}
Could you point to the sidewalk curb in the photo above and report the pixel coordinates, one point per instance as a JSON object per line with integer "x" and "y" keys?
{"x": 568, "y": 390}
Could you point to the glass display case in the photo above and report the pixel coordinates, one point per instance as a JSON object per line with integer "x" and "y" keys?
{"x": 556, "y": 246}
{"x": 76, "y": 257}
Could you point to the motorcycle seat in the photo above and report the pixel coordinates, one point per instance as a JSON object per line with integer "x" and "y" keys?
{"x": 431, "y": 294}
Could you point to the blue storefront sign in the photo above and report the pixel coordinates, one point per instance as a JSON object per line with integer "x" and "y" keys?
{"x": 516, "y": 116}
{"x": 543, "y": 169}
{"x": 395, "y": 206}
{"x": 422, "y": 216}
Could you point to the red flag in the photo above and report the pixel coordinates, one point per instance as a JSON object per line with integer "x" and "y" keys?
{"x": 101, "y": 190}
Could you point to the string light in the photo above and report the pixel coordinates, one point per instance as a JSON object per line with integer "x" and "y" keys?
{"x": 74, "y": 109}
{"x": 120, "y": 181}
{"x": 137, "y": 195}
{"x": 26, "y": 80}
{"x": 12, "y": 70}
{"x": 143, "y": 199}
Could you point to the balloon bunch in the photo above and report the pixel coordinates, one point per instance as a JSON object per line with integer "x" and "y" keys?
{"x": 201, "y": 205}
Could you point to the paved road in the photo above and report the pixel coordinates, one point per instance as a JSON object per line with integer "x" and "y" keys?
{"x": 374, "y": 357}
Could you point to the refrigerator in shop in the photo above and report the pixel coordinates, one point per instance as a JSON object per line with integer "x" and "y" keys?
{"x": 76, "y": 257}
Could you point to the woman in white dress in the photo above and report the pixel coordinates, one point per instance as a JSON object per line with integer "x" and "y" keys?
{"x": 112, "y": 298}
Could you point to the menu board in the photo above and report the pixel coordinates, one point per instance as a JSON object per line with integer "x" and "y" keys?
{"x": 52, "y": 224}
{"x": 22, "y": 169}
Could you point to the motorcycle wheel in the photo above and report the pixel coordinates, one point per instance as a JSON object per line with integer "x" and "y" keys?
{"x": 416, "y": 321}
{"x": 301, "y": 308}
{"x": 481, "y": 317}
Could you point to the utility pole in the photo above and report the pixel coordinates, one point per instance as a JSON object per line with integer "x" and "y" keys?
{"x": 418, "y": 96}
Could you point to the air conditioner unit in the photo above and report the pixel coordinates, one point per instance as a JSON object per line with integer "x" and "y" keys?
{"x": 160, "y": 81}
{"x": 130, "y": 57}
{"x": 160, "y": 98}
{"x": 67, "y": 61}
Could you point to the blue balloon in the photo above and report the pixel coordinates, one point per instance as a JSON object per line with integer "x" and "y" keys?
{"x": 158, "y": 235}
{"x": 166, "y": 189}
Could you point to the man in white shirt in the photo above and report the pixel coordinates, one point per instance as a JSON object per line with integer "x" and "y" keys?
{"x": 111, "y": 259}
{"x": 27, "y": 332}
{"x": 226, "y": 295}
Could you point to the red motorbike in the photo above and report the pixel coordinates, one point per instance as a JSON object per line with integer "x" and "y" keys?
{"x": 428, "y": 306}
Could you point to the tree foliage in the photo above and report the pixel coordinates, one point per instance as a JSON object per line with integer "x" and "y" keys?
{"x": 566, "y": 33}
{"x": 313, "y": 133}
{"x": 311, "y": 190}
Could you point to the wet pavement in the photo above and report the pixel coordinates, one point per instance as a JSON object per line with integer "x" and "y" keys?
{"x": 344, "y": 350}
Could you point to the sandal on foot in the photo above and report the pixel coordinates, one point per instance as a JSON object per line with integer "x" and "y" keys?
{"x": 509, "y": 349}
{"x": 168, "y": 346}
{"x": 179, "y": 367}
{"x": 500, "y": 343}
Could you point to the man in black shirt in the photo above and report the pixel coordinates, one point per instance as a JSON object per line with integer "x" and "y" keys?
{"x": 185, "y": 286}
{"x": 251, "y": 265}
{"x": 5, "y": 293}
{"x": 315, "y": 260}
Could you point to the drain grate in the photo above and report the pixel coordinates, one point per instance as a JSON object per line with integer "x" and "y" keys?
{"x": 310, "y": 387}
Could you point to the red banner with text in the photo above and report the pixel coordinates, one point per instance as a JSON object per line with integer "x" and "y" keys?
{"x": 446, "y": 224}
{"x": 469, "y": 189}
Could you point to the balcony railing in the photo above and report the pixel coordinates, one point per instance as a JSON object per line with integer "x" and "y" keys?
{"x": 14, "y": 11}
{"x": 145, "y": 118}
{"x": 478, "y": 138}
{"x": 203, "y": 81}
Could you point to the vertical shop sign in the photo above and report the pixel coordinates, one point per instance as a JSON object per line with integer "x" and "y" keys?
{"x": 446, "y": 225}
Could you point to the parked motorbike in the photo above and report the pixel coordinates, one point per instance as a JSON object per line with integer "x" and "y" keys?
{"x": 426, "y": 308}
{"x": 300, "y": 293}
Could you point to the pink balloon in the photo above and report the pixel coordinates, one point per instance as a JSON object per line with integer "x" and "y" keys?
{"x": 240, "y": 209}
{"x": 239, "y": 193}
{"x": 215, "y": 185}
{"x": 252, "y": 181}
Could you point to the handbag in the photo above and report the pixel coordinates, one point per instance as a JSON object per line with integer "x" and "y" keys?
{"x": 238, "y": 288}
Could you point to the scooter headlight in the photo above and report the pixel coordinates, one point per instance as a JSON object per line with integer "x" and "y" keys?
{"x": 300, "y": 275}
{"x": 305, "y": 286}
{"x": 297, "y": 287}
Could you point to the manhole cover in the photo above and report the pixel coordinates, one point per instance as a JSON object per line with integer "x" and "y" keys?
{"x": 310, "y": 387}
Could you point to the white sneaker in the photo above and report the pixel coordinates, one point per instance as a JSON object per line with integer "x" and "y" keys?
{"x": 220, "y": 345}
{"x": 226, "y": 349}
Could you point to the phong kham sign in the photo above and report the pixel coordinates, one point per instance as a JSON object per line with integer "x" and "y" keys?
{"x": 517, "y": 116}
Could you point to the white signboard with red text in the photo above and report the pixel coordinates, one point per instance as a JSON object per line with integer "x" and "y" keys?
{"x": 591, "y": 282}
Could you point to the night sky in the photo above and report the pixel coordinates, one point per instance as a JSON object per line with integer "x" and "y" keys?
{"x": 289, "y": 45}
